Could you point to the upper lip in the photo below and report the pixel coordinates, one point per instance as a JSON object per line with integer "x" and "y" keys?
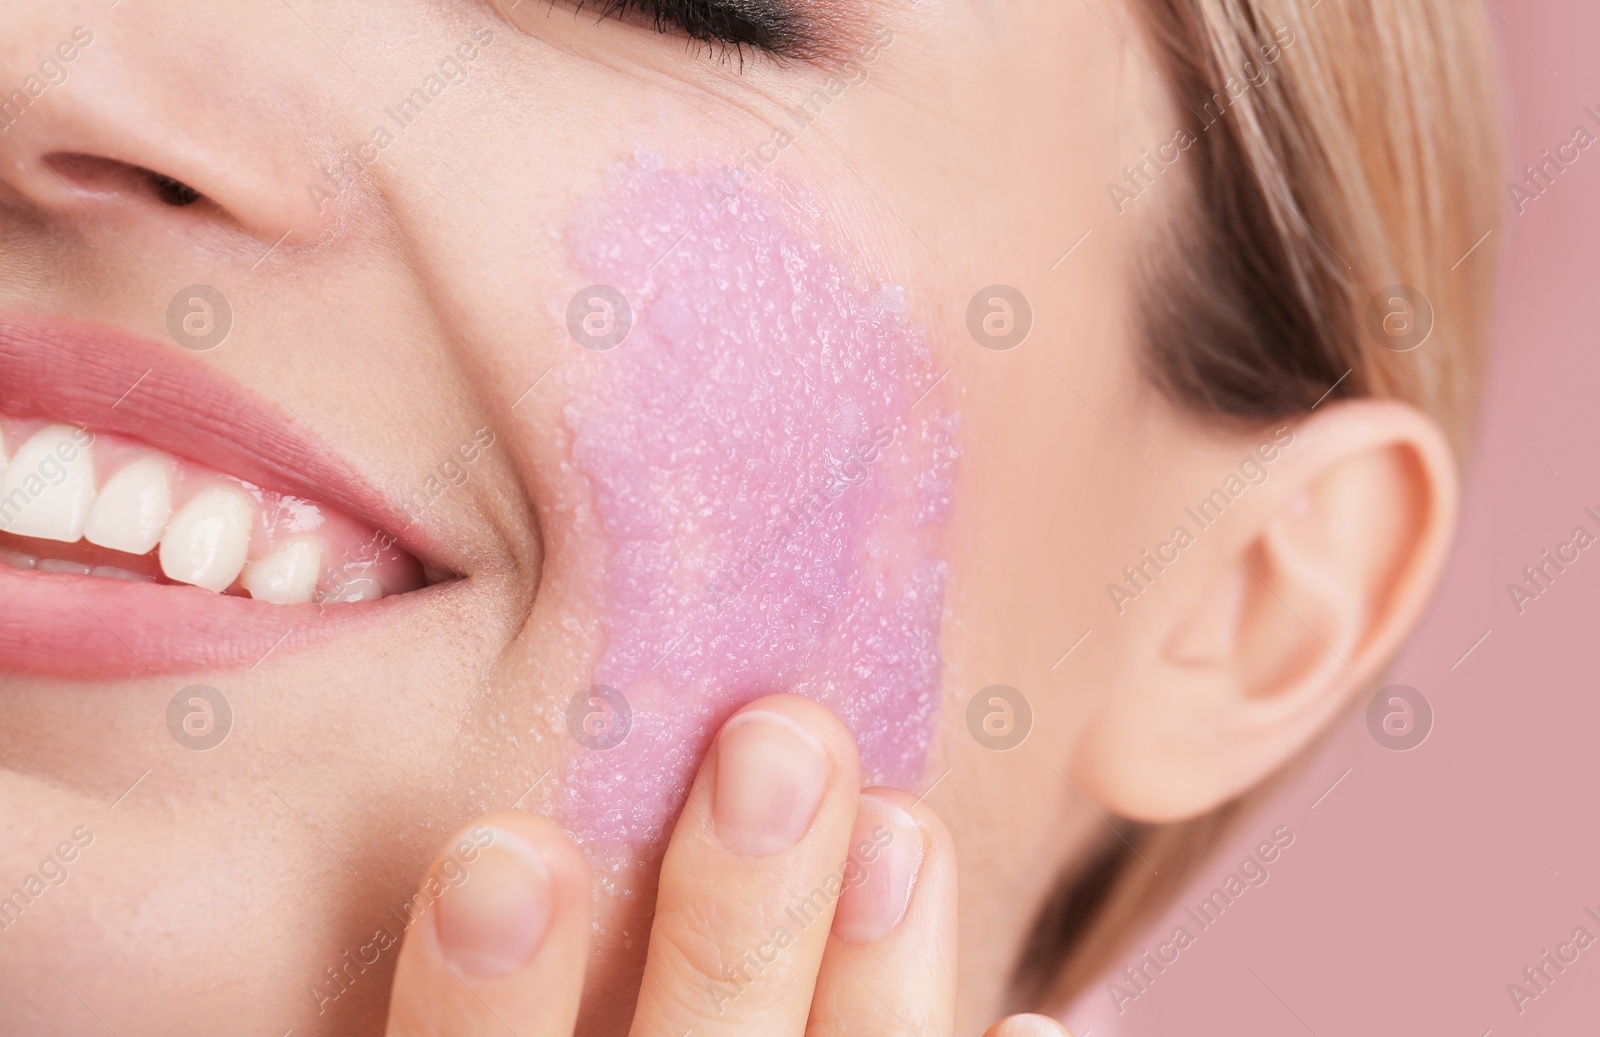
{"x": 107, "y": 380}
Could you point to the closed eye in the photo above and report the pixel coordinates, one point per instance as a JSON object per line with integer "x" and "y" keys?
{"x": 770, "y": 26}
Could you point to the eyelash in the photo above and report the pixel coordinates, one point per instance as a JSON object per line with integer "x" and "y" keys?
{"x": 729, "y": 24}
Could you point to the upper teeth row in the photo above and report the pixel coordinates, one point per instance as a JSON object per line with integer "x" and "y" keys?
{"x": 47, "y": 491}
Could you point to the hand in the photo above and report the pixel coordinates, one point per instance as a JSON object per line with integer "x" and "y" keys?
{"x": 790, "y": 903}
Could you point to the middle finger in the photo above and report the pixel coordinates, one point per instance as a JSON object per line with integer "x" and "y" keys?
{"x": 751, "y": 877}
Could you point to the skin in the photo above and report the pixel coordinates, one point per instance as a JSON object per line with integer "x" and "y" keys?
{"x": 423, "y": 302}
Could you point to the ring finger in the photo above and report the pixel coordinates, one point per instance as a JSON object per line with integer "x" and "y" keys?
{"x": 890, "y": 964}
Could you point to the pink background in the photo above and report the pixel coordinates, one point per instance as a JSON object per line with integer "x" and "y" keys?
{"x": 1425, "y": 881}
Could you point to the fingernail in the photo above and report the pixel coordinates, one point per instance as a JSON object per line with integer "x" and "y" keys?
{"x": 885, "y": 856}
{"x": 1031, "y": 1026}
{"x": 771, "y": 774}
{"x": 495, "y": 920}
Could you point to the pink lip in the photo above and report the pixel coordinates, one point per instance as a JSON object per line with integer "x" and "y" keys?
{"x": 111, "y": 381}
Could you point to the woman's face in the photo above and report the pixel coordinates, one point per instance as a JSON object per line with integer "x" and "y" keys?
{"x": 678, "y": 370}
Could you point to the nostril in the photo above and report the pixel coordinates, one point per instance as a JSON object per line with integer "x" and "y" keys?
{"x": 93, "y": 175}
{"x": 173, "y": 192}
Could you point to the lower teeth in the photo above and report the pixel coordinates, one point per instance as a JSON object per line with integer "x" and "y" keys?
{"x": 111, "y": 572}
{"x": 55, "y": 565}
{"x": 18, "y": 560}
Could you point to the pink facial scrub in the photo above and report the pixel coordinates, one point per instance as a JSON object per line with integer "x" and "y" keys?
{"x": 771, "y": 468}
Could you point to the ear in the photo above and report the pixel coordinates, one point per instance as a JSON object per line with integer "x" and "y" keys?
{"x": 1283, "y": 608}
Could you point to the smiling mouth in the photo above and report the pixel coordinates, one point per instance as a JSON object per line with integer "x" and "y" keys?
{"x": 75, "y": 502}
{"x": 156, "y": 518}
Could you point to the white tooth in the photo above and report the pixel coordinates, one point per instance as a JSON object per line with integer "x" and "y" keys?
{"x": 208, "y": 540}
{"x": 57, "y": 565}
{"x": 361, "y": 588}
{"x": 47, "y": 489}
{"x": 132, "y": 508}
{"x": 287, "y": 576}
{"x": 17, "y": 560}
{"x": 111, "y": 572}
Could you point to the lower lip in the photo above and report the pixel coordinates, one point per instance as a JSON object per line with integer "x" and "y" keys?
{"x": 770, "y": 468}
{"x": 88, "y": 627}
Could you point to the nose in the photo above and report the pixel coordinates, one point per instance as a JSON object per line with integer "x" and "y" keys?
{"x": 148, "y": 118}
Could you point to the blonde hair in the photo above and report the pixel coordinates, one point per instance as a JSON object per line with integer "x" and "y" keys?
{"x": 1320, "y": 207}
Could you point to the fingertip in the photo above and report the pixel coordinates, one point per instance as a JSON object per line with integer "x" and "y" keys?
{"x": 502, "y": 886}
{"x": 569, "y": 870}
{"x": 938, "y": 867}
{"x": 819, "y": 722}
{"x": 927, "y": 818}
{"x": 1027, "y": 1025}
{"x": 902, "y": 856}
{"x": 498, "y": 929}
{"x": 891, "y": 961}
{"x": 888, "y": 851}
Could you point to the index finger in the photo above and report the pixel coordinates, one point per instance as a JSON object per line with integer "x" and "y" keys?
{"x": 499, "y": 941}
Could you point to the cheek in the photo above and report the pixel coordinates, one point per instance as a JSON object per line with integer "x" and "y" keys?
{"x": 749, "y": 550}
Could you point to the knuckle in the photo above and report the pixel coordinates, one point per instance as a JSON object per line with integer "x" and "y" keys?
{"x": 867, "y": 1016}
{"x": 404, "y": 1028}
{"x": 707, "y": 965}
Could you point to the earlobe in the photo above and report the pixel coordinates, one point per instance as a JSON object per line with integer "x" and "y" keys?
{"x": 1286, "y": 616}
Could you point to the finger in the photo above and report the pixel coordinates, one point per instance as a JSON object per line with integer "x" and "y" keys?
{"x": 890, "y": 965}
{"x": 497, "y": 936}
{"x": 751, "y": 875}
{"x": 1027, "y": 1026}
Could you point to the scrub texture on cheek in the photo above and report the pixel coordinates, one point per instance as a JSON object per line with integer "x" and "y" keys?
{"x": 770, "y": 466}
